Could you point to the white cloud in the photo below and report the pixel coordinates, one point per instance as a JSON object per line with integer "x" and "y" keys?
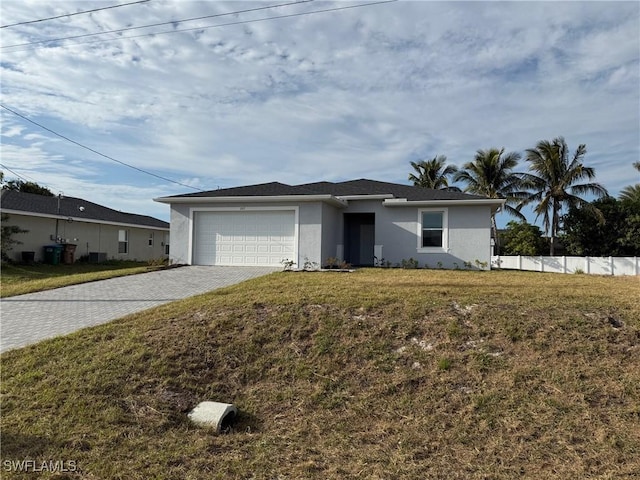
{"x": 12, "y": 130}
{"x": 348, "y": 94}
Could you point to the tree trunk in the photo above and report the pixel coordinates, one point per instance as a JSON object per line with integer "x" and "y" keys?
{"x": 496, "y": 240}
{"x": 554, "y": 227}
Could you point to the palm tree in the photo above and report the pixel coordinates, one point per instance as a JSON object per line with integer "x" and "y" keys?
{"x": 553, "y": 183}
{"x": 631, "y": 193}
{"x": 433, "y": 173}
{"x": 491, "y": 174}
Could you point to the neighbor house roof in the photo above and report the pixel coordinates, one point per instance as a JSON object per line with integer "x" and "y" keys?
{"x": 12, "y": 201}
{"x": 394, "y": 192}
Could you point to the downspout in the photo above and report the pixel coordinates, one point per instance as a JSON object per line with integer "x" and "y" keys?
{"x": 57, "y": 219}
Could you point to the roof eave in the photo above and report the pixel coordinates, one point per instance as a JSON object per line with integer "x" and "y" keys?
{"x": 383, "y": 196}
{"x": 403, "y": 202}
{"x": 82, "y": 219}
{"x": 254, "y": 199}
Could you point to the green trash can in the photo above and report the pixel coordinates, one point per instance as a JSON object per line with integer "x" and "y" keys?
{"x": 52, "y": 254}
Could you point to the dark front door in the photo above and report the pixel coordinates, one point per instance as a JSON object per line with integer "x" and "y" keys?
{"x": 359, "y": 238}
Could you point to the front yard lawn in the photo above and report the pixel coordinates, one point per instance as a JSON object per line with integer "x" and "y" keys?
{"x": 20, "y": 279}
{"x": 380, "y": 374}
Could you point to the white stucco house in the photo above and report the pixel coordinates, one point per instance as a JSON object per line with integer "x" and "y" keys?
{"x": 363, "y": 222}
{"x": 97, "y": 232}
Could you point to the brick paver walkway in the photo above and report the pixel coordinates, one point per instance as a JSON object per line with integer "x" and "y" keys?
{"x": 27, "y": 319}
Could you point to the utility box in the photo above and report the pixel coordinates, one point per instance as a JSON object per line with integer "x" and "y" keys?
{"x": 68, "y": 253}
{"x": 52, "y": 254}
{"x": 97, "y": 257}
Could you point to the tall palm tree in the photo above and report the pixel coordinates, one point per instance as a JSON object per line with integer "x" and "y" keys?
{"x": 554, "y": 183}
{"x": 491, "y": 174}
{"x": 433, "y": 173}
{"x": 631, "y": 193}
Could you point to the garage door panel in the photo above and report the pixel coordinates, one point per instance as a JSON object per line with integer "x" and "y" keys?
{"x": 243, "y": 238}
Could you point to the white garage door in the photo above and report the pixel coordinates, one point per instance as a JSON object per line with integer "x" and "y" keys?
{"x": 244, "y": 238}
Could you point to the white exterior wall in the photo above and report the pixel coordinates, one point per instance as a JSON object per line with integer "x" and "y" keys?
{"x": 397, "y": 233}
{"x": 470, "y": 234}
{"x": 332, "y": 232}
{"x": 180, "y": 234}
{"x": 88, "y": 236}
{"x": 321, "y": 231}
{"x": 310, "y": 241}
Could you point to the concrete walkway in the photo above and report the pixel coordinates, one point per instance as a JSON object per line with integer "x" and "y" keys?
{"x": 27, "y": 319}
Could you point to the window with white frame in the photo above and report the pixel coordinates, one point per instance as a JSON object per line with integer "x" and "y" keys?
{"x": 432, "y": 234}
{"x": 123, "y": 241}
{"x": 151, "y": 239}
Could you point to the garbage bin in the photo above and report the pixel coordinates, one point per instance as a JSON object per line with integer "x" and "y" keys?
{"x": 52, "y": 254}
{"x": 68, "y": 253}
{"x": 28, "y": 258}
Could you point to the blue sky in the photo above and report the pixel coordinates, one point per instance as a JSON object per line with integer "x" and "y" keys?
{"x": 355, "y": 93}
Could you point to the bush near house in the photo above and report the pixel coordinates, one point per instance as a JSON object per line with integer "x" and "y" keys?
{"x": 7, "y": 237}
{"x": 522, "y": 238}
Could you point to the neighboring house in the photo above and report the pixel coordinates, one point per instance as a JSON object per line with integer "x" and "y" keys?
{"x": 363, "y": 222}
{"x": 99, "y": 232}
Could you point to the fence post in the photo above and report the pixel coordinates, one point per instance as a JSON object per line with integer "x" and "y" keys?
{"x": 635, "y": 265}
{"x": 564, "y": 264}
{"x": 541, "y": 263}
{"x": 586, "y": 265}
{"x": 611, "y": 262}
{"x": 519, "y": 262}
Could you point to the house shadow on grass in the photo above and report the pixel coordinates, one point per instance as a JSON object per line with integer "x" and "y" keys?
{"x": 17, "y": 446}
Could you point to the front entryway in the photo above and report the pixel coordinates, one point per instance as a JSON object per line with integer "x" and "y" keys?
{"x": 359, "y": 238}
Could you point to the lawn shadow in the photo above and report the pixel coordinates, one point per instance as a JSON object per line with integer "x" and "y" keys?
{"x": 246, "y": 422}
{"x": 16, "y": 446}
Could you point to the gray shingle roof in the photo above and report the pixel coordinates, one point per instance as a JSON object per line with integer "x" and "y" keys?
{"x": 340, "y": 189}
{"x": 374, "y": 187}
{"x": 69, "y": 207}
{"x": 272, "y": 189}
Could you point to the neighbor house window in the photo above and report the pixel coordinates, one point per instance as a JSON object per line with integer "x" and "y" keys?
{"x": 151, "y": 239}
{"x": 432, "y": 233}
{"x": 123, "y": 241}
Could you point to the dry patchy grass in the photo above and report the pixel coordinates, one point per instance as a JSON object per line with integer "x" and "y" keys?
{"x": 376, "y": 374}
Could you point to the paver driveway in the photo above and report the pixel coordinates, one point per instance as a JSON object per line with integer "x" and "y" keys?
{"x": 27, "y": 319}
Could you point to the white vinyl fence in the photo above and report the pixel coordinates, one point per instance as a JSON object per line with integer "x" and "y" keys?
{"x": 593, "y": 265}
